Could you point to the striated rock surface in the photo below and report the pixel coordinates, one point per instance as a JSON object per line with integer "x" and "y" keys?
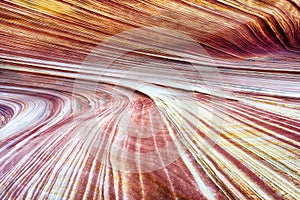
{"x": 150, "y": 99}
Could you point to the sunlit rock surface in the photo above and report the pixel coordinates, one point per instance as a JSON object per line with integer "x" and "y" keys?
{"x": 149, "y": 99}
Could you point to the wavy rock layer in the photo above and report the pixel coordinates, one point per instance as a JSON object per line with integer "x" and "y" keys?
{"x": 149, "y": 124}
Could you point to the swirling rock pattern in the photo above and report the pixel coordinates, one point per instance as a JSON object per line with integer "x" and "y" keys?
{"x": 149, "y": 124}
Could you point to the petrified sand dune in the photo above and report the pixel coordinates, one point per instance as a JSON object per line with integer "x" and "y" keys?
{"x": 149, "y": 99}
